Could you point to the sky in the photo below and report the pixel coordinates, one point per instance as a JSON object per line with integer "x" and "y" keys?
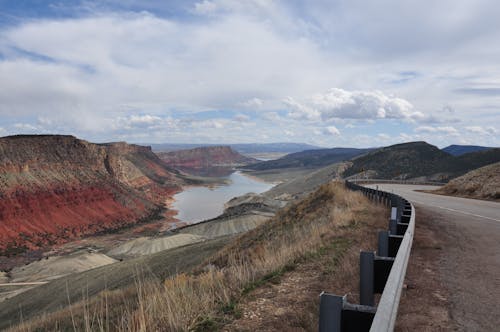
{"x": 330, "y": 73}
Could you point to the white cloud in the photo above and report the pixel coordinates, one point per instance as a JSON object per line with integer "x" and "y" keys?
{"x": 254, "y": 103}
{"x": 143, "y": 120}
{"x": 383, "y": 136}
{"x": 481, "y": 130}
{"x": 448, "y": 130}
{"x": 211, "y": 124}
{"x": 205, "y": 7}
{"x": 343, "y": 104}
{"x": 25, "y": 127}
{"x": 332, "y": 130}
{"x": 241, "y": 118}
{"x": 272, "y": 116}
{"x": 100, "y": 67}
{"x": 301, "y": 111}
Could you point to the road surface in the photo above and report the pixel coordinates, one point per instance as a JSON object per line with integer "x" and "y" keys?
{"x": 453, "y": 275}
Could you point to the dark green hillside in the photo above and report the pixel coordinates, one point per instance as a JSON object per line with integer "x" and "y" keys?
{"x": 309, "y": 159}
{"x": 458, "y": 150}
{"x": 407, "y": 160}
{"x": 419, "y": 159}
{"x": 473, "y": 160}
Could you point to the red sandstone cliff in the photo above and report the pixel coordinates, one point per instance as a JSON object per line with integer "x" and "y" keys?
{"x": 56, "y": 188}
{"x": 204, "y": 157}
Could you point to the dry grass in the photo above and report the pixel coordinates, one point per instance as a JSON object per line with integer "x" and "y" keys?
{"x": 206, "y": 298}
{"x": 481, "y": 183}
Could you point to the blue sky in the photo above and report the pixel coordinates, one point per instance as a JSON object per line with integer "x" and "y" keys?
{"x": 330, "y": 73}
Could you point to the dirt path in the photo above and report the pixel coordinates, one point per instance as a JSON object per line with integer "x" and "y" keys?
{"x": 453, "y": 276}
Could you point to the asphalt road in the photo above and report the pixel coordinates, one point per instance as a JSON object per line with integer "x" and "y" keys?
{"x": 465, "y": 270}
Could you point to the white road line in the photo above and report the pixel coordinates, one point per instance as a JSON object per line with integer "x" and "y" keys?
{"x": 23, "y": 283}
{"x": 454, "y": 210}
{"x": 413, "y": 192}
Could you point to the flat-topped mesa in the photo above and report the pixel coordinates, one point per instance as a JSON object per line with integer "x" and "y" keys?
{"x": 54, "y": 188}
{"x": 124, "y": 147}
{"x": 205, "y": 157}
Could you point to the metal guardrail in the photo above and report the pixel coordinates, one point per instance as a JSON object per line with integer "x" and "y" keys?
{"x": 387, "y": 309}
{"x": 424, "y": 183}
{"x": 381, "y": 272}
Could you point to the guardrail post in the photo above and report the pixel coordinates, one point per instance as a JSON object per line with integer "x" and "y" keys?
{"x": 382, "y": 268}
{"x": 330, "y": 312}
{"x": 383, "y": 243}
{"x": 393, "y": 222}
{"x": 336, "y": 314}
{"x": 366, "y": 263}
{"x": 394, "y": 243}
{"x": 401, "y": 228}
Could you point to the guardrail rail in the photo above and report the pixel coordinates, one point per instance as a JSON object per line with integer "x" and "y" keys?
{"x": 381, "y": 272}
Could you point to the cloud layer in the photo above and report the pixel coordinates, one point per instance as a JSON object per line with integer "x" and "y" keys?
{"x": 341, "y": 104}
{"x": 328, "y": 73}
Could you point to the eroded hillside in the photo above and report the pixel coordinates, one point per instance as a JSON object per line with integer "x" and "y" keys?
{"x": 57, "y": 188}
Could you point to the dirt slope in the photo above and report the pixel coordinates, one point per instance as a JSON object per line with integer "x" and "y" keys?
{"x": 75, "y": 287}
{"x": 481, "y": 183}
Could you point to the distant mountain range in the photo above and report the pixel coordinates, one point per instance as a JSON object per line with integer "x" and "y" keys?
{"x": 309, "y": 159}
{"x": 458, "y": 150}
{"x": 245, "y": 148}
{"x": 400, "y": 161}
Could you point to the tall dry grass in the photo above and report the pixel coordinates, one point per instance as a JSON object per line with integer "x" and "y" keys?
{"x": 200, "y": 300}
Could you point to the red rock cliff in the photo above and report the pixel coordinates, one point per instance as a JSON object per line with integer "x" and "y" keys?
{"x": 56, "y": 188}
{"x": 205, "y": 157}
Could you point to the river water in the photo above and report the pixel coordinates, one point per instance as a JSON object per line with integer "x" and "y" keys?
{"x": 200, "y": 203}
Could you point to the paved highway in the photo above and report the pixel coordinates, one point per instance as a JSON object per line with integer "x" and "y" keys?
{"x": 455, "y": 263}
{"x": 485, "y": 210}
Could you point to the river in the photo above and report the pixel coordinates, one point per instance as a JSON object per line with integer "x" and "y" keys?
{"x": 200, "y": 203}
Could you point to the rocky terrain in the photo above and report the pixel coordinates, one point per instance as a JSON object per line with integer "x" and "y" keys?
{"x": 204, "y": 158}
{"x": 57, "y": 188}
{"x": 481, "y": 183}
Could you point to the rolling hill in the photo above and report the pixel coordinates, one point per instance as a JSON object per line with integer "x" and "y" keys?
{"x": 418, "y": 159}
{"x": 309, "y": 159}
{"x": 458, "y": 150}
